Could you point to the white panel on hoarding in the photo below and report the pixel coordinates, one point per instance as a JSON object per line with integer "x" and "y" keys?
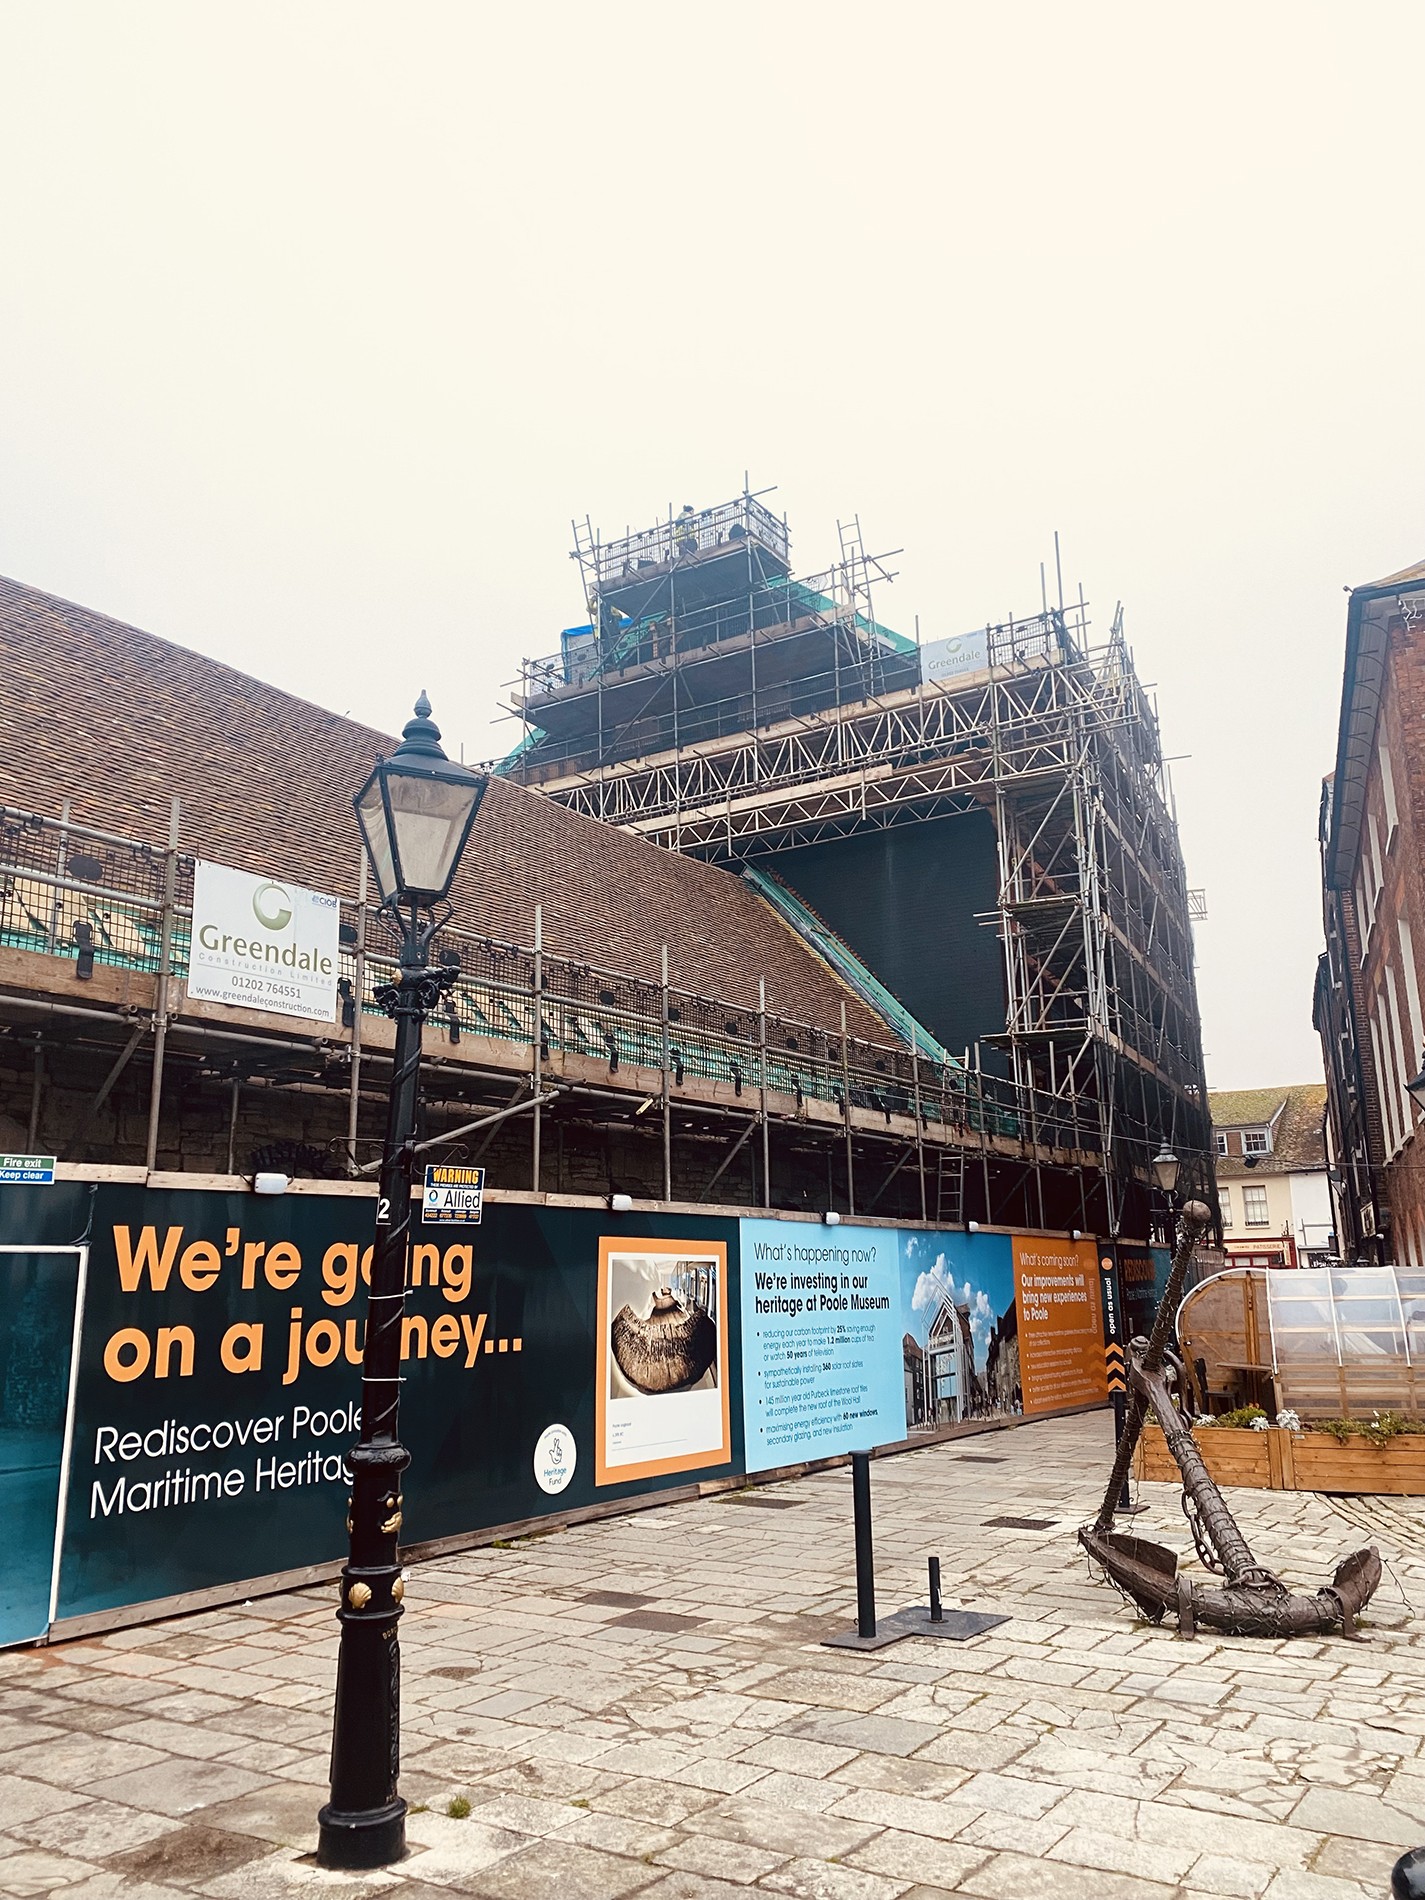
{"x": 261, "y": 943}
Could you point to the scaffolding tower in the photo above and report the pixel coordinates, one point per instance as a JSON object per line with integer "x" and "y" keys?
{"x": 717, "y": 706}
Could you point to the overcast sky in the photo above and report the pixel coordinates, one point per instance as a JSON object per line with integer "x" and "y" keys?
{"x": 318, "y": 323}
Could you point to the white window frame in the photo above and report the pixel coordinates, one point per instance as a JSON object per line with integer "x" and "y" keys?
{"x": 1249, "y": 1192}
{"x": 1386, "y": 1092}
{"x": 1224, "y": 1201}
{"x": 1402, "y": 1075}
{"x": 1220, "y": 1142}
{"x": 1412, "y": 991}
{"x": 1387, "y": 791}
{"x": 1251, "y": 1136}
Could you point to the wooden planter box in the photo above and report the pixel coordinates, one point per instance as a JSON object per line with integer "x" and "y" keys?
{"x": 1293, "y": 1461}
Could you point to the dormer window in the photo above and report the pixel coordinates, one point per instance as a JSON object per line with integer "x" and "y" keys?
{"x": 1256, "y": 1141}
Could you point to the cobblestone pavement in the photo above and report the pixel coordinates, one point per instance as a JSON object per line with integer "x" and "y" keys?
{"x": 641, "y": 1706}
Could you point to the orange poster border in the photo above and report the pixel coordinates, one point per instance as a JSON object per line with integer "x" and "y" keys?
{"x": 690, "y": 1461}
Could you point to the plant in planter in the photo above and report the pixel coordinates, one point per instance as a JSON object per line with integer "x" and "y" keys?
{"x": 1379, "y": 1429}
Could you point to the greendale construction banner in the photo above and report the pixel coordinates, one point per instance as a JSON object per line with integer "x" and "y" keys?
{"x": 262, "y": 945}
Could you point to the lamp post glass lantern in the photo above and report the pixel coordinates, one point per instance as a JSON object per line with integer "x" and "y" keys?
{"x": 1415, "y": 1087}
{"x": 1165, "y": 1168}
{"x": 415, "y": 813}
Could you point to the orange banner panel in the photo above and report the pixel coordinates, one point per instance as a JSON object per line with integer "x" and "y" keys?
{"x": 1056, "y": 1290}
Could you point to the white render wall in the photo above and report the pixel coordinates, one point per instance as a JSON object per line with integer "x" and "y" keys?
{"x": 1312, "y": 1218}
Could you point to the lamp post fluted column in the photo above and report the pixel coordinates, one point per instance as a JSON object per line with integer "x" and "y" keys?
{"x": 364, "y": 1824}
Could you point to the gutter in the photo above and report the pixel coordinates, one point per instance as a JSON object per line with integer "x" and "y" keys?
{"x": 1362, "y": 689}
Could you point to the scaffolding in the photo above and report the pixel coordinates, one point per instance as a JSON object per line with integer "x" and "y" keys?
{"x": 698, "y": 631}
{"x": 95, "y": 931}
{"x": 716, "y": 706}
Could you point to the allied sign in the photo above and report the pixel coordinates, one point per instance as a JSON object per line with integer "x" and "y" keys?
{"x": 455, "y": 1195}
{"x": 262, "y": 943}
{"x": 27, "y": 1170}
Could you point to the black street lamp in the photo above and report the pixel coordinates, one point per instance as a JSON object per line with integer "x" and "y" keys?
{"x": 415, "y": 812}
{"x": 1165, "y": 1168}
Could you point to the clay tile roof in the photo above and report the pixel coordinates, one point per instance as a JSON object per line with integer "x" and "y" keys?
{"x": 1403, "y": 578}
{"x": 1244, "y": 1108}
{"x": 1296, "y": 1115}
{"x": 120, "y": 721}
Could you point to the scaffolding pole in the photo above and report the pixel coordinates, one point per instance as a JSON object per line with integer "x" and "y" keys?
{"x": 160, "y": 1013}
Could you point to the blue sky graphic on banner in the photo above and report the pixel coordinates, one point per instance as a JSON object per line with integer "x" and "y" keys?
{"x": 961, "y": 1349}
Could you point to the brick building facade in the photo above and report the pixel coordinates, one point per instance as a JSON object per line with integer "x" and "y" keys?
{"x": 1371, "y": 977}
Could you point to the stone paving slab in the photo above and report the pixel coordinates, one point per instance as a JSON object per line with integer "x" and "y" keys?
{"x": 606, "y": 1746}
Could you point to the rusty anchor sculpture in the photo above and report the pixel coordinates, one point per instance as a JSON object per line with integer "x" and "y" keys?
{"x": 1251, "y": 1600}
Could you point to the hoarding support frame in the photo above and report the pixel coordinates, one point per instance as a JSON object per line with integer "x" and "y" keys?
{"x": 121, "y": 1062}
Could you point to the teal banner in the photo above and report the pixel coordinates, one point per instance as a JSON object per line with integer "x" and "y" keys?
{"x": 218, "y": 1384}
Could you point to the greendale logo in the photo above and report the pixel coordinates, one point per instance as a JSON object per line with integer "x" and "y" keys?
{"x": 272, "y": 897}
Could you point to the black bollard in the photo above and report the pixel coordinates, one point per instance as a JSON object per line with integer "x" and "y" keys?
{"x": 1407, "y": 1878}
{"x": 865, "y": 1563}
{"x": 937, "y": 1615}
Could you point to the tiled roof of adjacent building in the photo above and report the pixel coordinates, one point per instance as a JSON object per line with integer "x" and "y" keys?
{"x": 119, "y": 721}
{"x": 1296, "y": 1116}
{"x": 1405, "y": 576}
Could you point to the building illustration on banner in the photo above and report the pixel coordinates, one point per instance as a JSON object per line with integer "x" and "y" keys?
{"x": 960, "y": 1349}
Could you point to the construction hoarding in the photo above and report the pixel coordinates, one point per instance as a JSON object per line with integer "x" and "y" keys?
{"x": 203, "y": 1349}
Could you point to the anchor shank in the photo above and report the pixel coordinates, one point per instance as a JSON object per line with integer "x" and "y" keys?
{"x": 1217, "y": 1520}
{"x": 1192, "y": 1223}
